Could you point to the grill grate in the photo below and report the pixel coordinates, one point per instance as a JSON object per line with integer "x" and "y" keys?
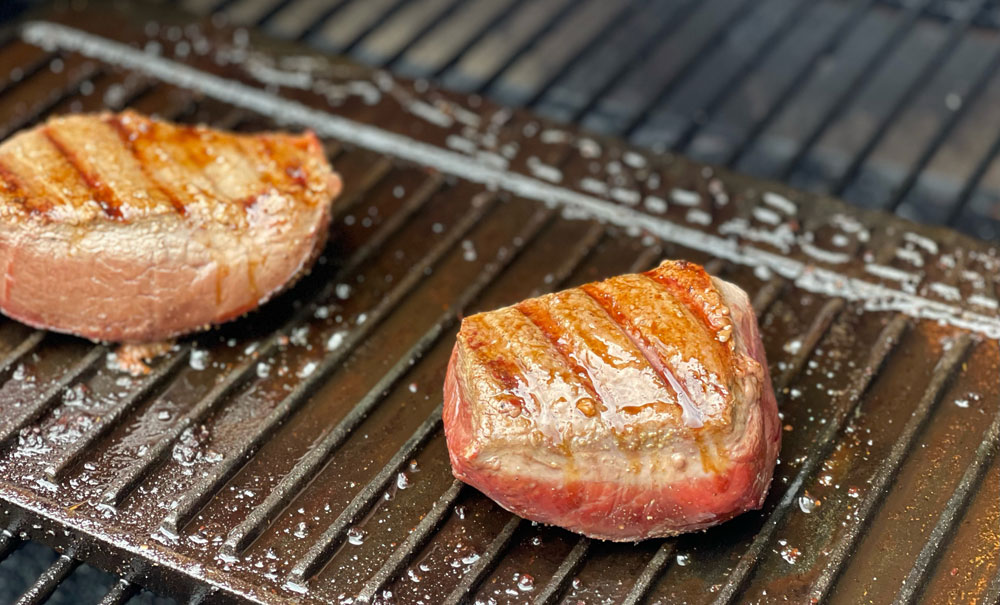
{"x": 297, "y": 454}
{"x": 736, "y": 79}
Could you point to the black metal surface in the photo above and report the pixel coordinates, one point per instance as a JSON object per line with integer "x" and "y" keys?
{"x": 679, "y": 101}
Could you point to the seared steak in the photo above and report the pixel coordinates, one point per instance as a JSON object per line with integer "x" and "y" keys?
{"x": 118, "y": 227}
{"x": 636, "y": 407}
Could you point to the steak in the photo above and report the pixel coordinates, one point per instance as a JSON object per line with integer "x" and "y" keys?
{"x": 118, "y": 227}
{"x": 636, "y": 407}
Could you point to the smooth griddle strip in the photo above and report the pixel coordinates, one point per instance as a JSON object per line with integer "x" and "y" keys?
{"x": 362, "y": 502}
{"x": 953, "y": 512}
{"x": 944, "y": 371}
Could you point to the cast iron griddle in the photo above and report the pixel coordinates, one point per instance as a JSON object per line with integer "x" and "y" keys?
{"x": 297, "y": 456}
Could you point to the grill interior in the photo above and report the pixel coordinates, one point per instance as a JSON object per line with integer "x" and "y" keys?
{"x": 886, "y": 104}
{"x": 296, "y": 455}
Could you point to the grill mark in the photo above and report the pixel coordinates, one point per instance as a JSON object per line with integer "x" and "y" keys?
{"x": 500, "y": 368}
{"x": 127, "y": 139}
{"x": 105, "y": 197}
{"x": 691, "y": 415}
{"x": 13, "y": 183}
{"x": 708, "y": 308}
{"x": 542, "y": 320}
{"x": 293, "y": 169}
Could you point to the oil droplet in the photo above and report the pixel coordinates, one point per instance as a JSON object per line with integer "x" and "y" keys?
{"x": 199, "y": 359}
{"x": 853, "y": 492}
{"x": 356, "y": 536}
{"x": 526, "y": 583}
{"x": 790, "y": 554}
{"x": 471, "y": 558}
{"x": 402, "y": 481}
{"x": 412, "y": 387}
{"x": 807, "y": 503}
{"x": 683, "y": 560}
{"x": 587, "y": 406}
{"x": 678, "y": 460}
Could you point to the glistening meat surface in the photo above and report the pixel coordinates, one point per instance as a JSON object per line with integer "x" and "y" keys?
{"x": 118, "y": 227}
{"x": 635, "y": 407}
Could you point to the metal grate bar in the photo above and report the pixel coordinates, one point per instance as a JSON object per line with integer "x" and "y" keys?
{"x": 883, "y": 346}
{"x": 20, "y": 61}
{"x": 113, "y": 417}
{"x": 319, "y": 552}
{"x": 973, "y": 182}
{"x": 644, "y": 583}
{"x": 391, "y": 10}
{"x": 950, "y": 516}
{"x": 120, "y": 593}
{"x": 274, "y": 9}
{"x": 48, "y": 399}
{"x": 977, "y": 88}
{"x": 747, "y": 66}
{"x": 582, "y": 53}
{"x": 562, "y": 576}
{"x": 46, "y": 584}
{"x": 669, "y": 26}
{"x": 880, "y": 481}
{"x": 317, "y": 23}
{"x": 476, "y": 37}
{"x": 417, "y": 538}
{"x": 485, "y": 564}
{"x": 55, "y": 87}
{"x": 320, "y": 453}
{"x": 767, "y": 294}
{"x": 526, "y": 46}
{"x": 992, "y": 596}
{"x": 821, "y": 323}
{"x": 835, "y": 38}
{"x": 29, "y": 344}
{"x": 843, "y": 100}
{"x": 419, "y": 35}
{"x": 719, "y": 34}
{"x": 7, "y": 544}
{"x": 956, "y": 32}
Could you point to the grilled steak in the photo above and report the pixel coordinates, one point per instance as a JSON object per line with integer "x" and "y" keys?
{"x": 118, "y": 227}
{"x": 636, "y": 407}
